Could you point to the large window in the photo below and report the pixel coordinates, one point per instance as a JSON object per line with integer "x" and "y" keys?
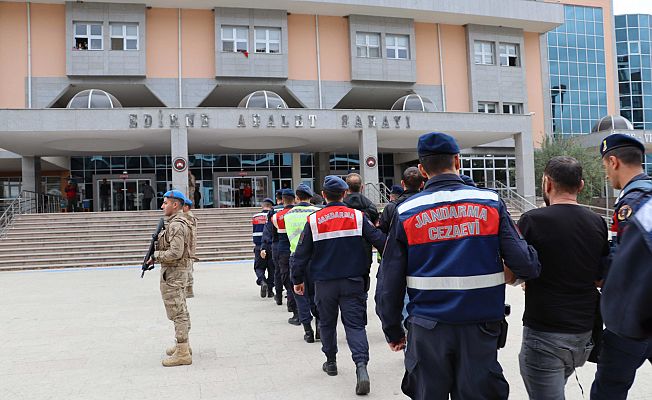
{"x": 367, "y": 44}
{"x": 124, "y": 36}
{"x": 88, "y": 36}
{"x": 512, "y": 108}
{"x": 485, "y": 169}
{"x": 235, "y": 38}
{"x": 484, "y": 53}
{"x": 487, "y": 107}
{"x": 268, "y": 40}
{"x": 397, "y": 46}
{"x": 509, "y": 56}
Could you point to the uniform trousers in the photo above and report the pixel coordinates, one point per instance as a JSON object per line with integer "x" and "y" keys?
{"x": 262, "y": 265}
{"x": 349, "y": 296}
{"x": 282, "y": 262}
{"x": 617, "y": 364}
{"x": 305, "y": 303}
{"x": 173, "y": 284}
{"x": 456, "y": 360}
{"x": 278, "y": 282}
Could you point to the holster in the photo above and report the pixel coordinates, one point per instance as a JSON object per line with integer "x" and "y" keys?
{"x": 502, "y": 338}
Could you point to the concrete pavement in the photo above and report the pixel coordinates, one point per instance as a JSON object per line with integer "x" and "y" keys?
{"x": 101, "y": 334}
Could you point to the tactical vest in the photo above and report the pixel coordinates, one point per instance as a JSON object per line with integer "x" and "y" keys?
{"x": 295, "y": 222}
{"x": 278, "y": 220}
{"x": 258, "y": 222}
{"x": 454, "y": 269}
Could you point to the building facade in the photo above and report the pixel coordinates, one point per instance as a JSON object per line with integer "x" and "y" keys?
{"x": 335, "y": 76}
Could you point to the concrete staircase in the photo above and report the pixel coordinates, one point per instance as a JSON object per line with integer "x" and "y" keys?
{"x": 71, "y": 240}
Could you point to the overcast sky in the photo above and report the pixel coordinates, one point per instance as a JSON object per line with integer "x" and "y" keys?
{"x": 632, "y": 7}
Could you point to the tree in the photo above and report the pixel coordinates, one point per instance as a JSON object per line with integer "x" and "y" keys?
{"x": 592, "y": 170}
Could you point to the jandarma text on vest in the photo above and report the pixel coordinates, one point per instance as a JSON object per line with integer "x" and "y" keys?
{"x": 450, "y": 211}
{"x": 337, "y": 214}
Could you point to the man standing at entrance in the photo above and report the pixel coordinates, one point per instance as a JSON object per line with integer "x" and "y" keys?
{"x": 105, "y": 195}
{"x": 447, "y": 245}
{"x": 262, "y": 264}
{"x": 246, "y": 195}
{"x": 332, "y": 244}
{"x": 71, "y": 195}
{"x": 621, "y": 356}
{"x": 148, "y": 195}
{"x": 173, "y": 252}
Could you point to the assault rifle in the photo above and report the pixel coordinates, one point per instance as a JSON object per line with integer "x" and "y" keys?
{"x": 152, "y": 247}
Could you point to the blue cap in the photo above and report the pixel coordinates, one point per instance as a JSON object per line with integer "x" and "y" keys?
{"x": 397, "y": 189}
{"x": 175, "y": 194}
{"x": 287, "y": 192}
{"x": 187, "y": 202}
{"x": 468, "y": 180}
{"x": 279, "y": 192}
{"x": 334, "y": 183}
{"x": 618, "y": 140}
{"x": 303, "y": 188}
{"x": 268, "y": 200}
{"x": 436, "y": 143}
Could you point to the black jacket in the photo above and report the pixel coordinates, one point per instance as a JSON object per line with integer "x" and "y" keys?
{"x": 360, "y": 202}
{"x": 388, "y": 212}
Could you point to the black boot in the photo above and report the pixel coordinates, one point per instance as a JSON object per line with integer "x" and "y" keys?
{"x": 330, "y": 366}
{"x": 279, "y": 298}
{"x": 263, "y": 290}
{"x": 309, "y": 335}
{"x": 270, "y": 292}
{"x": 317, "y": 331}
{"x": 362, "y": 385}
{"x": 294, "y": 319}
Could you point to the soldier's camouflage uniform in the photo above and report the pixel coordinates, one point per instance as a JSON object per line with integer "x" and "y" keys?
{"x": 193, "y": 249}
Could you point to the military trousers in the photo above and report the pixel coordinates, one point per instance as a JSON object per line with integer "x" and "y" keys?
{"x": 305, "y": 303}
{"x": 456, "y": 360}
{"x": 349, "y": 296}
{"x": 173, "y": 285}
{"x": 282, "y": 262}
{"x": 262, "y": 265}
{"x": 272, "y": 256}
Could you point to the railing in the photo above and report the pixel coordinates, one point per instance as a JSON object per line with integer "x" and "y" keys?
{"x": 27, "y": 203}
{"x": 511, "y": 197}
{"x": 377, "y": 192}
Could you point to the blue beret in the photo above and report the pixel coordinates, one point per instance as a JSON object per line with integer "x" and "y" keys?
{"x": 305, "y": 189}
{"x": 287, "y": 192}
{"x": 397, "y": 189}
{"x": 175, "y": 194}
{"x": 188, "y": 202}
{"x": 268, "y": 200}
{"x": 436, "y": 143}
{"x": 618, "y": 140}
{"x": 334, "y": 183}
{"x": 467, "y": 180}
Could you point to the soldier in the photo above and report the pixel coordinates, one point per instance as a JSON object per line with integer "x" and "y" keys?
{"x": 262, "y": 264}
{"x": 173, "y": 252}
{"x": 621, "y": 355}
{"x": 187, "y": 206}
{"x": 333, "y": 244}
{"x": 269, "y": 245}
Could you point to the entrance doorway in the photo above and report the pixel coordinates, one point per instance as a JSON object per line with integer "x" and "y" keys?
{"x": 241, "y": 191}
{"x": 124, "y": 194}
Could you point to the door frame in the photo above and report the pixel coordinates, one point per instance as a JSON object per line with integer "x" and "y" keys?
{"x": 250, "y": 174}
{"x": 98, "y": 178}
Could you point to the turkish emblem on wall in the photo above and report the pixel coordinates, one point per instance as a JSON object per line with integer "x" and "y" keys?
{"x": 371, "y": 161}
{"x": 179, "y": 164}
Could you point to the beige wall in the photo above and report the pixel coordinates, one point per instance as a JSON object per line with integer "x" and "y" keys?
{"x": 456, "y": 75}
{"x": 302, "y": 47}
{"x": 533, "y": 75}
{"x": 13, "y": 54}
{"x": 48, "y": 40}
{"x": 197, "y": 43}
{"x": 427, "y": 48}
{"x": 334, "y": 46}
{"x": 162, "y": 43}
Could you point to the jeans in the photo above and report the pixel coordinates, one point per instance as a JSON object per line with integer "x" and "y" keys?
{"x": 547, "y": 359}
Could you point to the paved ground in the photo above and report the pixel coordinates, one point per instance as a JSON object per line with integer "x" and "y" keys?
{"x": 101, "y": 334}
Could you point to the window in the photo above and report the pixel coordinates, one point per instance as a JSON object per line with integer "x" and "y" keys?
{"x": 487, "y": 108}
{"x": 512, "y": 108}
{"x": 124, "y": 37}
{"x": 235, "y": 38}
{"x": 509, "y": 55}
{"x": 268, "y": 40}
{"x": 484, "y": 53}
{"x": 397, "y": 46}
{"x": 88, "y": 36}
{"x": 634, "y": 48}
{"x": 367, "y": 45}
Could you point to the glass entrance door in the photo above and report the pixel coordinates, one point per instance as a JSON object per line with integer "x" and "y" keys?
{"x": 248, "y": 191}
{"x": 126, "y": 195}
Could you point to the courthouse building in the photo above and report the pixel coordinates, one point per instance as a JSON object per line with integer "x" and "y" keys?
{"x": 271, "y": 94}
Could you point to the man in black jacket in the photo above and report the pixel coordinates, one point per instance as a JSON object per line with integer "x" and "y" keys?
{"x": 412, "y": 182}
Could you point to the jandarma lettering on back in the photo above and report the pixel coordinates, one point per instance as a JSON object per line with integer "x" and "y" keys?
{"x": 454, "y": 231}
{"x": 333, "y": 215}
{"x": 448, "y": 212}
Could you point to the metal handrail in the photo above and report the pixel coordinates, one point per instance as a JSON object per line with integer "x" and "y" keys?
{"x": 28, "y": 202}
{"x": 377, "y": 192}
{"x": 511, "y": 197}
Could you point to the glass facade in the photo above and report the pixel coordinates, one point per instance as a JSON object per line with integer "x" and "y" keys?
{"x": 576, "y": 60}
{"x": 484, "y": 169}
{"x": 633, "y": 45}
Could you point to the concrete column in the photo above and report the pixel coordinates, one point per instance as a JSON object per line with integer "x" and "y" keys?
{"x": 179, "y": 142}
{"x": 322, "y": 169}
{"x": 525, "y": 180}
{"x": 31, "y": 174}
{"x": 368, "y": 147}
{"x": 296, "y": 169}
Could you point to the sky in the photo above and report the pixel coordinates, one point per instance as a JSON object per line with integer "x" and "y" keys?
{"x": 632, "y": 7}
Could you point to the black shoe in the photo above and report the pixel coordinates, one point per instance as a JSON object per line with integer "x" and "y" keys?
{"x": 290, "y": 309}
{"x": 309, "y": 335}
{"x": 270, "y": 292}
{"x": 294, "y": 320}
{"x": 279, "y": 299}
{"x": 362, "y": 386}
{"x": 317, "y": 331}
{"x": 330, "y": 367}
{"x": 263, "y": 290}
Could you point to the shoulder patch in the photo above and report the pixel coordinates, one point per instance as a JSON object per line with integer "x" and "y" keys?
{"x": 624, "y": 212}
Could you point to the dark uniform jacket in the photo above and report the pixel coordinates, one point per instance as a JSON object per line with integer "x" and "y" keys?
{"x": 387, "y": 215}
{"x": 270, "y": 237}
{"x": 358, "y": 201}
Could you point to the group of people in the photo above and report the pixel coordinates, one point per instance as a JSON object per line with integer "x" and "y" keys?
{"x": 448, "y": 249}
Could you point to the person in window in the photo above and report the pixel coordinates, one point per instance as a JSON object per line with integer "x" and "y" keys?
{"x": 105, "y": 195}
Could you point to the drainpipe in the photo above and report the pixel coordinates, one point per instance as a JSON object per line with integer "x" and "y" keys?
{"x": 179, "y": 67}
{"x": 318, "y": 62}
{"x": 29, "y": 56}
{"x": 441, "y": 70}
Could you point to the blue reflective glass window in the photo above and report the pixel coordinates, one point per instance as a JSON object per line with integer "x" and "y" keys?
{"x": 600, "y": 58}
{"x": 632, "y": 34}
{"x": 553, "y": 54}
{"x": 635, "y": 61}
{"x": 584, "y": 97}
{"x": 590, "y": 42}
{"x": 572, "y": 54}
{"x": 603, "y": 110}
{"x": 597, "y": 14}
{"x": 593, "y": 85}
{"x": 580, "y": 28}
{"x": 599, "y": 28}
{"x": 563, "y": 68}
{"x": 566, "y": 125}
{"x": 643, "y": 20}
{"x": 648, "y": 117}
{"x": 621, "y": 49}
{"x": 602, "y": 85}
{"x": 554, "y": 68}
{"x": 572, "y": 40}
{"x": 625, "y": 102}
{"x": 569, "y": 12}
{"x": 584, "y": 84}
{"x": 581, "y": 56}
{"x": 599, "y": 43}
{"x": 581, "y": 41}
{"x": 646, "y": 75}
{"x": 590, "y": 56}
{"x": 644, "y": 34}
{"x": 621, "y": 21}
{"x": 635, "y": 74}
{"x": 552, "y": 38}
{"x": 632, "y": 20}
{"x": 574, "y": 97}
{"x": 623, "y": 88}
{"x": 586, "y": 126}
{"x": 621, "y": 35}
{"x": 590, "y": 28}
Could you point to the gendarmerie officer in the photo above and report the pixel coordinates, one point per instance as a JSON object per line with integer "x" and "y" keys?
{"x": 447, "y": 245}
{"x": 258, "y": 222}
{"x": 269, "y": 244}
{"x": 332, "y": 243}
{"x": 622, "y": 354}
